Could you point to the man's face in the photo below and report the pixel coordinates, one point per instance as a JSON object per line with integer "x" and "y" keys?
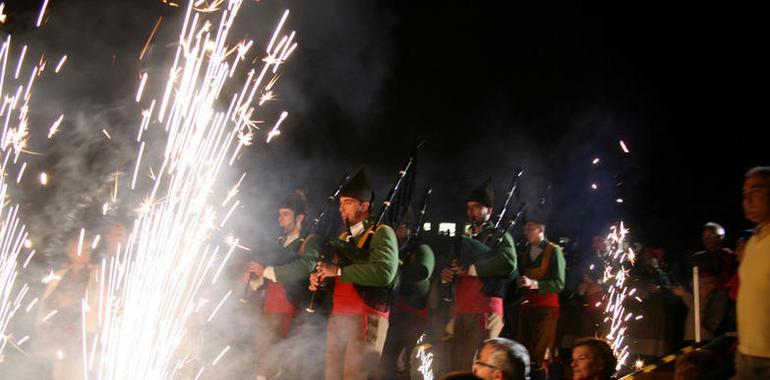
{"x": 286, "y": 219}
{"x": 478, "y": 212}
{"x": 711, "y": 240}
{"x": 533, "y": 232}
{"x": 756, "y": 199}
{"x": 352, "y": 209}
{"x": 482, "y": 367}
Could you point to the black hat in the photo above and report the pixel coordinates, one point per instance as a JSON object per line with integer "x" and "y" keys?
{"x": 536, "y": 216}
{"x": 359, "y": 187}
{"x": 296, "y": 201}
{"x": 484, "y": 194}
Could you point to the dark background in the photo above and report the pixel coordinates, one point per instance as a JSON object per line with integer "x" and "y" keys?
{"x": 490, "y": 85}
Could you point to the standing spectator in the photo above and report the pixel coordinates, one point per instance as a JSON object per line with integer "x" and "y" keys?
{"x": 714, "y": 309}
{"x": 752, "y": 361}
{"x": 716, "y": 260}
{"x": 654, "y": 335}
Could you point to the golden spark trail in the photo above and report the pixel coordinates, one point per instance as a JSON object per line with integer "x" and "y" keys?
{"x": 150, "y": 289}
{"x": 617, "y": 264}
{"x": 14, "y": 113}
{"x": 149, "y": 39}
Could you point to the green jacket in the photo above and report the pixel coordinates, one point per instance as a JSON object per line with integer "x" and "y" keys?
{"x": 415, "y": 274}
{"x": 378, "y": 265}
{"x": 301, "y": 267}
{"x": 553, "y": 282}
{"x": 499, "y": 262}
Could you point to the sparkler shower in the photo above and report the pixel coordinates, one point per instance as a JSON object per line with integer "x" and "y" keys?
{"x": 16, "y": 92}
{"x": 617, "y": 264}
{"x": 151, "y": 288}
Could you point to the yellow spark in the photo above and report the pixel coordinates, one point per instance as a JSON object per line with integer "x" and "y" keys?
{"x": 268, "y": 95}
{"x": 55, "y": 126}
{"x": 147, "y": 44}
{"x": 275, "y": 131}
{"x": 104, "y": 131}
{"x": 220, "y": 356}
{"x": 245, "y": 138}
{"x": 2, "y": 13}
{"x": 208, "y": 8}
{"x": 114, "y": 194}
{"x": 49, "y": 316}
{"x": 60, "y": 64}
{"x": 81, "y": 240}
{"x": 234, "y": 191}
{"x": 623, "y": 146}
{"x": 144, "y": 207}
{"x": 143, "y": 80}
{"x": 31, "y": 305}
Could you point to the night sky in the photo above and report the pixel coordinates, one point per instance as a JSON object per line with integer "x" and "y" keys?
{"x": 490, "y": 86}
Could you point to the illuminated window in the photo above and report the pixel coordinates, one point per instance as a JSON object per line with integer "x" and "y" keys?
{"x": 447, "y": 228}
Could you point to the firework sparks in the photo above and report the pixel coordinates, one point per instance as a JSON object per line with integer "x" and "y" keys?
{"x": 623, "y": 146}
{"x": 139, "y": 92}
{"x": 149, "y": 39}
{"x": 150, "y": 289}
{"x": 55, "y": 126}
{"x": 20, "y": 62}
{"x": 41, "y": 14}
{"x": 21, "y": 172}
{"x": 275, "y": 131}
{"x": 3, "y": 16}
{"x": 617, "y": 267}
{"x": 14, "y": 114}
{"x": 425, "y": 358}
{"x": 60, "y": 64}
{"x": 221, "y": 354}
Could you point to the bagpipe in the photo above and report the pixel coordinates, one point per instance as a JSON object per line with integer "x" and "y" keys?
{"x": 323, "y": 229}
{"x": 343, "y": 253}
{"x": 491, "y": 236}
